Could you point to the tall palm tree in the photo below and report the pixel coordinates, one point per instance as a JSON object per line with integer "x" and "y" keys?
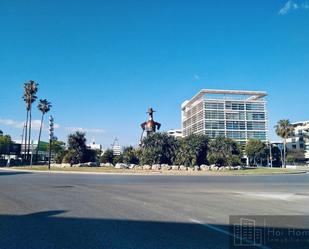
{"x": 29, "y": 96}
{"x": 284, "y": 129}
{"x": 44, "y": 107}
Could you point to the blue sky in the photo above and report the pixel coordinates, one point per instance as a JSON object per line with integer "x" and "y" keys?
{"x": 103, "y": 63}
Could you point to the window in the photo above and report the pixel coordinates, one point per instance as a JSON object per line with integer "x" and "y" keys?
{"x": 238, "y": 135}
{"x": 214, "y": 106}
{"x": 214, "y": 125}
{"x": 256, "y": 125}
{"x": 214, "y": 134}
{"x": 234, "y": 106}
{"x": 257, "y": 135}
{"x": 255, "y": 107}
{"x": 255, "y": 116}
{"x": 235, "y": 116}
{"x": 214, "y": 115}
{"x": 235, "y": 125}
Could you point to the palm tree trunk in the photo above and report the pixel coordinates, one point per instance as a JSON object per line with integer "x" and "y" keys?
{"x": 29, "y": 134}
{"x": 284, "y": 153}
{"x": 39, "y": 139}
{"x": 26, "y": 134}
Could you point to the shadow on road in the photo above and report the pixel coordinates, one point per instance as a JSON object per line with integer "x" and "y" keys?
{"x": 2, "y": 173}
{"x": 49, "y": 230}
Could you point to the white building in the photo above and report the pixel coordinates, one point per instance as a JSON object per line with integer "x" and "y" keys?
{"x": 239, "y": 115}
{"x": 175, "y": 133}
{"x": 94, "y": 146}
{"x": 300, "y": 140}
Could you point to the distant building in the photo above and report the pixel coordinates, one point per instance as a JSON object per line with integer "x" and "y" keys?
{"x": 300, "y": 140}
{"x": 42, "y": 152}
{"x": 239, "y": 115}
{"x": 117, "y": 150}
{"x": 175, "y": 133}
{"x": 94, "y": 146}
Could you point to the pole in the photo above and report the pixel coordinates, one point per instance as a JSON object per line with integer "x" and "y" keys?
{"x": 49, "y": 156}
{"x": 31, "y": 158}
{"x": 270, "y": 155}
{"x": 51, "y": 136}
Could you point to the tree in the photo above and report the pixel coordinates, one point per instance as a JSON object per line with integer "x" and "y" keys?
{"x": 107, "y": 157}
{"x": 77, "y": 147}
{"x": 256, "y": 151}
{"x": 29, "y": 97}
{"x": 284, "y": 129}
{"x": 295, "y": 156}
{"x": 44, "y": 107}
{"x": 118, "y": 159}
{"x": 130, "y": 155}
{"x": 58, "y": 150}
{"x": 158, "y": 148}
{"x": 5, "y": 144}
{"x": 224, "y": 151}
{"x": 192, "y": 150}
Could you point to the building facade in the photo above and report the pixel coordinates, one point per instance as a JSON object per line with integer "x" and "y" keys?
{"x": 175, "y": 133}
{"x": 300, "y": 140}
{"x": 240, "y": 115}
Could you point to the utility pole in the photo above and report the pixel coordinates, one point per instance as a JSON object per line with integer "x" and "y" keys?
{"x": 51, "y": 136}
{"x": 270, "y": 155}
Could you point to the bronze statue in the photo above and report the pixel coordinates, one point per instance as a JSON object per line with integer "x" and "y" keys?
{"x": 150, "y": 126}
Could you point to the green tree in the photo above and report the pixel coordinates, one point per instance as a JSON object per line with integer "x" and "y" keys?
{"x": 158, "y": 148}
{"x": 44, "y": 107}
{"x": 29, "y": 97}
{"x": 130, "y": 155}
{"x": 118, "y": 159}
{"x": 192, "y": 150}
{"x": 5, "y": 144}
{"x": 256, "y": 151}
{"x": 108, "y": 156}
{"x": 284, "y": 129}
{"x": 58, "y": 150}
{"x": 224, "y": 151}
{"x": 77, "y": 147}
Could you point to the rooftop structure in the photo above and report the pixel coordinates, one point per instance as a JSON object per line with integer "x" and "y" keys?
{"x": 175, "y": 133}
{"x": 239, "y": 115}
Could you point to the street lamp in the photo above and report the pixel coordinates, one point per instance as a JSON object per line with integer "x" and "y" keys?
{"x": 51, "y": 136}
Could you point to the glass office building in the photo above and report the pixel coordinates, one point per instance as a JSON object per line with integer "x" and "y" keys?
{"x": 239, "y": 115}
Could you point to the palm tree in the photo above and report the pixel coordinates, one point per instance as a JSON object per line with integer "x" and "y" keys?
{"x": 44, "y": 107}
{"x": 29, "y": 96}
{"x": 284, "y": 129}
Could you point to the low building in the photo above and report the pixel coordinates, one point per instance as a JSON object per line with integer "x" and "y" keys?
{"x": 300, "y": 140}
{"x": 175, "y": 133}
{"x": 94, "y": 146}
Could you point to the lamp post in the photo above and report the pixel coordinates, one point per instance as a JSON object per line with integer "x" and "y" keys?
{"x": 51, "y": 136}
{"x": 270, "y": 155}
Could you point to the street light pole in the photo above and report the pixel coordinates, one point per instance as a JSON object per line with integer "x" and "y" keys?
{"x": 51, "y": 135}
{"x": 270, "y": 155}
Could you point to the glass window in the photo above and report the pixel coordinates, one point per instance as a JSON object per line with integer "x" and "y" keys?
{"x": 235, "y": 125}
{"x": 255, "y": 116}
{"x": 214, "y": 115}
{"x": 255, "y": 107}
{"x": 256, "y": 125}
{"x": 214, "y": 125}
{"x": 257, "y": 135}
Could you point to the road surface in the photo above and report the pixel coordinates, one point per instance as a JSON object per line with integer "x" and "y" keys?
{"x": 51, "y": 211}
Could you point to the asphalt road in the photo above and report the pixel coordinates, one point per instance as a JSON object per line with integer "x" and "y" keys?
{"x": 69, "y": 211}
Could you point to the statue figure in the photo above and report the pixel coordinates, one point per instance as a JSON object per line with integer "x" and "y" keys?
{"x": 150, "y": 126}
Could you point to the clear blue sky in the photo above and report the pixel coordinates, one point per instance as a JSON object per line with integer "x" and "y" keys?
{"x": 103, "y": 63}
